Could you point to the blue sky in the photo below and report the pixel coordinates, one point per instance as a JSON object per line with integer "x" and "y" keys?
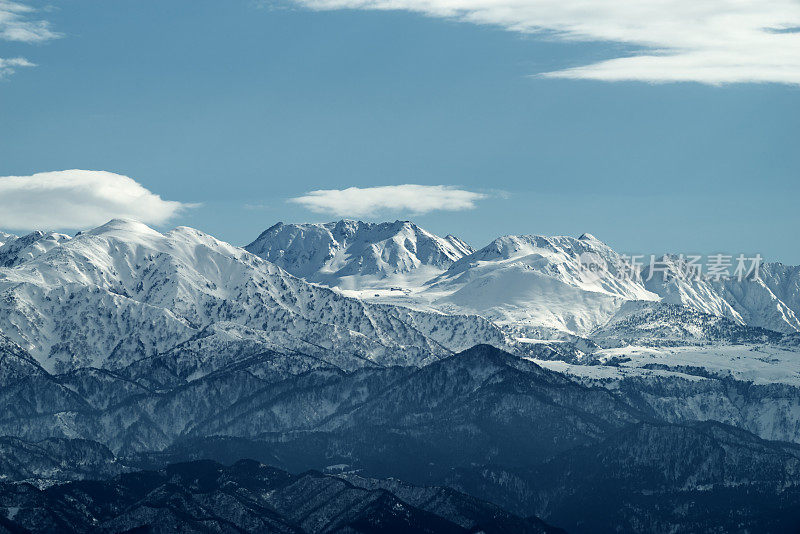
{"x": 239, "y": 107}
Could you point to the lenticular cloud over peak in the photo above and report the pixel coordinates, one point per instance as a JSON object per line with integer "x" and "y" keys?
{"x": 368, "y": 201}
{"x": 78, "y": 199}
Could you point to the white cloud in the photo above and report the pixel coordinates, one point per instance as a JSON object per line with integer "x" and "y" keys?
{"x": 78, "y": 199}
{"x": 16, "y": 25}
{"x": 707, "y": 41}
{"x": 7, "y": 66}
{"x": 367, "y": 201}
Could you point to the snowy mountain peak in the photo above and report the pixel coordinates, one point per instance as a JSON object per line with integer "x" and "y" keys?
{"x": 558, "y": 248}
{"x": 124, "y": 291}
{"x": 123, "y": 228}
{"x": 559, "y": 283}
{"x": 540, "y": 281}
{"x": 341, "y": 251}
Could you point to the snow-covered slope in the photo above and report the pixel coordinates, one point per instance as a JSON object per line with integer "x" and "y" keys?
{"x": 524, "y": 281}
{"x": 538, "y": 281}
{"x": 676, "y": 285}
{"x": 354, "y": 254}
{"x": 784, "y": 282}
{"x": 123, "y": 291}
{"x": 535, "y": 285}
{"x": 5, "y": 238}
{"x": 660, "y": 323}
{"x": 20, "y": 250}
{"x": 749, "y": 301}
{"x": 771, "y": 301}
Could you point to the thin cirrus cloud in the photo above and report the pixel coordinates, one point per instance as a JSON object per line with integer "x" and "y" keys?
{"x": 7, "y": 66}
{"x": 369, "y": 201}
{"x": 707, "y": 41}
{"x": 78, "y": 199}
{"x": 18, "y": 24}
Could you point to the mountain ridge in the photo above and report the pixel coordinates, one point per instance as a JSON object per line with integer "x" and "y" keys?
{"x": 128, "y": 291}
{"x": 534, "y": 281}
{"x": 335, "y": 252}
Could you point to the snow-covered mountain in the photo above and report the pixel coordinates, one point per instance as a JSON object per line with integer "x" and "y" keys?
{"x": 538, "y": 281}
{"x": 768, "y": 301}
{"x": 354, "y": 254}
{"x": 524, "y": 281}
{"x": 535, "y": 280}
{"x": 123, "y": 291}
{"x": 663, "y": 324}
{"x": 671, "y": 280}
{"x": 784, "y": 282}
{"x": 532, "y": 284}
{"x": 124, "y": 346}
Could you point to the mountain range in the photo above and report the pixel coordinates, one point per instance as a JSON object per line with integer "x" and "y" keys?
{"x": 432, "y": 376}
{"x": 531, "y": 282}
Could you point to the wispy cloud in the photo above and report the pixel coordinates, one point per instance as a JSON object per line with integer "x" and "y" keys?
{"x": 7, "y": 66}
{"x": 368, "y": 201}
{"x": 707, "y": 41}
{"x": 78, "y": 199}
{"x": 18, "y": 23}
